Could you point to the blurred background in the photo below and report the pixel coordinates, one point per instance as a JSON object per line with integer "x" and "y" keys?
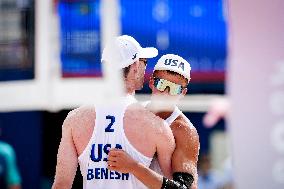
{"x": 50, "y": 55}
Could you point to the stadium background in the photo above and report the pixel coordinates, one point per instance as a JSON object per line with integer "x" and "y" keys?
{"x": 72, "y": 32}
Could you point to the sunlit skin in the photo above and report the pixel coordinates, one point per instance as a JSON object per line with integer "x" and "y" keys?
{"x": 135, "y": 76}
{"x": 185, "y": 156}
{"x": 79, "y": 125}
{"x": 143, "y": 64}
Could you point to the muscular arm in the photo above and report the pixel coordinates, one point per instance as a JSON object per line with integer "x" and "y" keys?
{"x": 185, "y": 163}
{"x": 120, "y": 161}
{"x": 165, "y": 148}
{"x": 66, "y": 158}
{"x": 186, "y": 153}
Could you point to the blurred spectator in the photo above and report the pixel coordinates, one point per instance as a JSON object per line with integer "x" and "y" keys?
{"x": 219, "y": 109}
{"x": 227, "y": 175}
{"x": 207, "y": 178}
{"x": 9, "y": 174}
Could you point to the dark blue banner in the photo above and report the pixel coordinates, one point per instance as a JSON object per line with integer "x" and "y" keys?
{"x": 193, "y": 29}
{"x": 80, "y": 38}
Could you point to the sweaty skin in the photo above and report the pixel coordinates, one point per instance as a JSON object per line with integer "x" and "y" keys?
{"x": 78, "y": 128}
{"x": 185, "y": 155}
{"x": 184, "y": 158}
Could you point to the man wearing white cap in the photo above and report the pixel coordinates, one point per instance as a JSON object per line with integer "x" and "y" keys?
{"x": 128, "y": 55}
{"x": 169, "y": 84}
{"x": 88, "y": 133}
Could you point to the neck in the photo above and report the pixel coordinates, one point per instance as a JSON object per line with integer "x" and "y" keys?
{"x": 130, "y": 91}
{"x": 164, "y": 114}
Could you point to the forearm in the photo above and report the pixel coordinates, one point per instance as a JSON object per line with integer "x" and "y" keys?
{"x": 153, "y": 180}
{"x": 61, "y": 185}
{"x": 64, "y": 179}
{"x": 148, "y": 177}
{"x": 194, "y": 184}
{"x": 181, "y": 180}
{"x": 67, "y": 160}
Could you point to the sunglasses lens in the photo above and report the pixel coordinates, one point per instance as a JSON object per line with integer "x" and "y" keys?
{"x": 162, "y": 84}
{"x": 176, "y": 90}
{"x": 158, "y": 83}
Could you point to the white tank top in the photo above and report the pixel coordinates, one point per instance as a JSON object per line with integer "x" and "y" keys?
{"x": 176, "y": 113}
{"x": 109, "y": 133}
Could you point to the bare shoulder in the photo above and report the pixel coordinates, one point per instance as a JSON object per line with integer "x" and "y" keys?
{"x": 144, "y": 114}
{"x": 83, "y": 115}
{"x": 185, "y": 133}
{"x": 157, "y": 125}
{"x": 185, "y": 156}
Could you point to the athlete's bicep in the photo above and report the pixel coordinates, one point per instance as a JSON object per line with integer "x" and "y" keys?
{"x": 165, "y": 149}
{"x": 67, "y": 161}
{"x": 185, "y": 156}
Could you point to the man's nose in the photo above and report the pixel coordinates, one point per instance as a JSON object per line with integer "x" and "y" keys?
{"x": 167, "y": 90}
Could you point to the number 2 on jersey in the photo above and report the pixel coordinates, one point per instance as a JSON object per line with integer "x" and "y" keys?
{"x": 112, "y": 120}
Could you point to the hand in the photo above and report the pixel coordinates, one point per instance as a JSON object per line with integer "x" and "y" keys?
{"x": 120, "y": 161}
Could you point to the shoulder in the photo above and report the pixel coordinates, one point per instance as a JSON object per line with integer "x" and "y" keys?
{"x": 80, "y": 116}
{"x": 157, "y": 125}
{"x": 144, "y": 115}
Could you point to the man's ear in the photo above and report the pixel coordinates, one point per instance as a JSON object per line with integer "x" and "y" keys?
{"x": 184, "y": 91}
{"x": 133, "y": 68}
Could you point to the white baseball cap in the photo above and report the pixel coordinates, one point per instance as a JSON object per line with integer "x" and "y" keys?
{"x": 125, "y": 50}
{"x": 174, "y": 63}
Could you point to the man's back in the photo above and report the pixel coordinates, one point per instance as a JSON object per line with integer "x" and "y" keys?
{"x": 132, "y": 128}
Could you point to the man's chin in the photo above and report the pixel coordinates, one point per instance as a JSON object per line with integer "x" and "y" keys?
{"x": 162, "y": 103}
{"x": 141, "y": 85}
